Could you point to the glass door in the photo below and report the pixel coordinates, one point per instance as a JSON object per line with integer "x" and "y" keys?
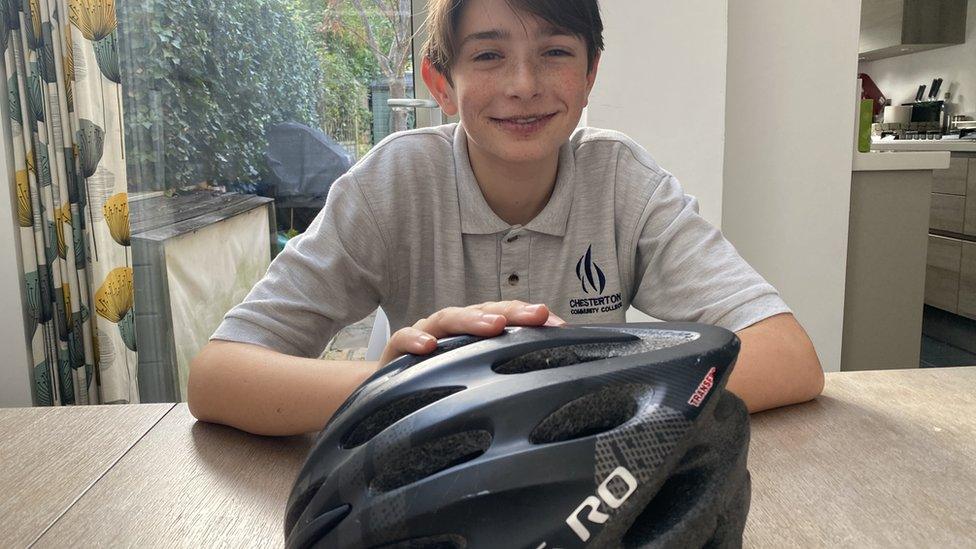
{"x": 238, "y": 116}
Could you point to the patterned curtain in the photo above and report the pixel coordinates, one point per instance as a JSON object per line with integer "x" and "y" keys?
{"x": 65, "y": 129}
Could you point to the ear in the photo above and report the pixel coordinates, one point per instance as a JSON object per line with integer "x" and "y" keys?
{"x": 439, "y": 87}
{"x": 591, "y": 77}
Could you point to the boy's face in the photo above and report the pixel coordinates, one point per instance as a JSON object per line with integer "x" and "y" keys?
{"x": 519, "y": 85}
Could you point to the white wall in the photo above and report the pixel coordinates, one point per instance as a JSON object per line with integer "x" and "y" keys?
{"x": 15, "y": 363}
{"x": 899, "y": 77}
{"x": 662, "y": 82}
{"x": 787, "y": 171}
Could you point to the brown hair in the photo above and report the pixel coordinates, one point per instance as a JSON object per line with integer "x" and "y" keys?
{"x": 577, "y": 17}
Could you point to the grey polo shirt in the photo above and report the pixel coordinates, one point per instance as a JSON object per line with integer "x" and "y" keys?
{"x": 408, "y": 229}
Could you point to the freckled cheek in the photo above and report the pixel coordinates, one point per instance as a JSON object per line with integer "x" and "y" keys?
{"x": 477, "y": 97}
{"x": 569, "y": 84}
{"x": 571, "y": 94}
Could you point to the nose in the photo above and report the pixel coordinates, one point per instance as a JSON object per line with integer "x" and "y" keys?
{"x": 524, "y": 80}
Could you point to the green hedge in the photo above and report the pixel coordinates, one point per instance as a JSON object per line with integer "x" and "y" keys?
{"x": 202, "y": 81}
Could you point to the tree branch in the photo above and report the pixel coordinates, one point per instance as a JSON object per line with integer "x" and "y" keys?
{"x": 382, "y": 59}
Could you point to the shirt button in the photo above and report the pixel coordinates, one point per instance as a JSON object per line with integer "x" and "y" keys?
{"x": 513, "y": 279}
{"x": 512, "y": 238}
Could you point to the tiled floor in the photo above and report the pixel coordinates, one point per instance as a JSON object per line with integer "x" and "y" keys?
{"x": 947, "y": 339}
{"x": 936, "y": 354}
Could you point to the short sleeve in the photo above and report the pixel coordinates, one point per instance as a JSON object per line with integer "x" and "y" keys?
{"x": 329, "y": 277}
{"x": 687, "y": 271}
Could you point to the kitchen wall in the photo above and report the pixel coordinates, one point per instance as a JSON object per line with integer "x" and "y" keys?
{"x": 899, "y": 77}
{"x": 662, "y": 82}
{"x": 788, "y": 156}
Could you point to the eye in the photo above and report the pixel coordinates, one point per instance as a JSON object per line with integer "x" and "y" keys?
{"x": 559, "y": 53}
{"x": 487, "y": 56}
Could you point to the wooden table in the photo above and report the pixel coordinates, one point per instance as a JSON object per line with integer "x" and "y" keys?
{"x": 882, "y": 459}
{"x": 51, "y": 456}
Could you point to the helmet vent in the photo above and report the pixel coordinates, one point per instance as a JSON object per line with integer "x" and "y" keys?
{"x": 296, "y": 508}
{"x": 570, "y": 355}
{"x": 668, "y": 509}
{"x": 444, "y": 541}
{"x": 588, "y": 415}
{"x": 556, "y": 357}
{"x": 402, "y": 467}
{"x": 379, "y": 420}
{"x": 306, "y": 535}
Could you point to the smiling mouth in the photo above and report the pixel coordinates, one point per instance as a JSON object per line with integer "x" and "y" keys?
{"x": 525, "y": 120}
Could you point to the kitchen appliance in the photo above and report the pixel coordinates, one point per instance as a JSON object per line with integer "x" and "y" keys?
{"x": 926, "y": 117}
{"x": 966, "y": 129}
{"x": 961, "y": 126}
{"x": 897, "y": 115}
{"x": 900, "y": 27}
{"x": 928, "y": 111}
{"x": 928, "y": 114}
{"x": 922, "y": 120}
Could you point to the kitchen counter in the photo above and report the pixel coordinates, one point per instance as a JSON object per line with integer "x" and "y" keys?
{"x": 879, "y": 161}
{"x": 925, "y": 145}
{"x": 886, "y": 253}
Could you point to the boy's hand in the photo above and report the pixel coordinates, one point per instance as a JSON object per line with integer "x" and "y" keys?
{"x": 485, "y": 320}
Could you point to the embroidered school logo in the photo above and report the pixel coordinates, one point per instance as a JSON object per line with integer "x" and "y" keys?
{"x": 590, "y": 274}
{"x": 593, "y": 281}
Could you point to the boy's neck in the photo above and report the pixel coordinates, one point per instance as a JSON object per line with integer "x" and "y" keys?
{"x": 515, "y": 192}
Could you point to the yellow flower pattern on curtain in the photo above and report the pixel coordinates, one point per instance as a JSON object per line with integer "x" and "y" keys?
{"x": 65, "y": 129}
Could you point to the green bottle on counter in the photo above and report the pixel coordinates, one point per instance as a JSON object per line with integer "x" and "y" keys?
{"x": 864, "y": 120}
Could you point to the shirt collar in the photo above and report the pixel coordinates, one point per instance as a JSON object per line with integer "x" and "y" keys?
{"x": 477, "y": 217}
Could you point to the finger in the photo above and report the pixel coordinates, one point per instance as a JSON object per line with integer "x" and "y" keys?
{"x": 518, "y": 312}
{"x": 408, "y": 340}
{"x": 554, "y": 320}
{"x": 457, "y": 321}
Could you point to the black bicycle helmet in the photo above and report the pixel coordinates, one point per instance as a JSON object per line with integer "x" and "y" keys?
{"x": 596, "y": 436}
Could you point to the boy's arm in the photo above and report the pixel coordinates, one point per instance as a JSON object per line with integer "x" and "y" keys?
{"x": 685, "y": 269}
{"x": 266, "y": 392}
{"x": 777, "y": 365}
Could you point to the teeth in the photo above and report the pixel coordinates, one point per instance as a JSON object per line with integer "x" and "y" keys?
{"x": 525, "y": 120}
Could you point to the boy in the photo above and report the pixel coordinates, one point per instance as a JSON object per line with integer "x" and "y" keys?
{"x": 510, "y": 207}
